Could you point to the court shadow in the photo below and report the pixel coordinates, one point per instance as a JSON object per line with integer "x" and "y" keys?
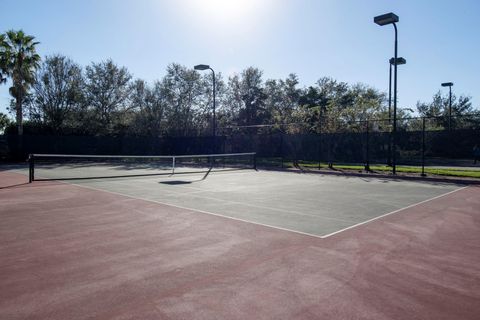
{"x": 175, "y": 182}
{"x": 180, "y": 182}
{"x": 14, "y": 185}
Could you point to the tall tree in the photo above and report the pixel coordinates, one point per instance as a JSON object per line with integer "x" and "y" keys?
{"x": 3, "y": 71}
{"x": 107, "y": 89}
{"x": 19, "y": 60}
{"x": 149, "y": 105}
{"x": 57, "y": 92}
{"x": 438, "y": 108}
{"x": 204, "y": 103}
{"x": 282, "y": 99}
{"x": 322, "y": 105}
{"x": 182, "y": 89}
{"x": 366, "y": 103}
{"x": 247, "y": 97}
{"x": 4, "y": 122}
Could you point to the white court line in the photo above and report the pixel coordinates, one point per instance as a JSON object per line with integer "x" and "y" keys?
{"x": 198, "y": 190}
{"x": 392, "y": 212}
{"x": 189, "y": 209}
{"x": 195, "y": 210}
{"x": 195, "y": 194}
{"x": 267, "y": 225}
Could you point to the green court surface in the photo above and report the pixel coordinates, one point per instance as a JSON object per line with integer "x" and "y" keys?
{"x": 313, "y": 204}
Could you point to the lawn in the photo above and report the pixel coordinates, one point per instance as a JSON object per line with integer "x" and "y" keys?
{"x": 452, "y": 172}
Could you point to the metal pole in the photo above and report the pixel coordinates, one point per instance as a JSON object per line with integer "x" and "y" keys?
{"x": 423, "y": 147}
{"x": 31, "y": 168}
{"x": 450, "y": 110}
{"x": 281, "y": 148}
{"x": 320, "y": 141}
{"x": 394, "y": 155}
{"x": 389, "y": 156}
{"x": 214, "y": 112}
{"x": 367, "y": 162}
{"x": 390, "y": 92}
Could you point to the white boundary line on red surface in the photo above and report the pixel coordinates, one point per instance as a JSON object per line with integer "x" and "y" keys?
{"x": 392, "y": 212}
{"x": 192, "y": 209}
{"x": 267, "y": 225}
{"x": 183, "y": 208}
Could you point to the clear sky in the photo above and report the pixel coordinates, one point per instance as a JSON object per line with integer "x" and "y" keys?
{"x": 312, "y": 38}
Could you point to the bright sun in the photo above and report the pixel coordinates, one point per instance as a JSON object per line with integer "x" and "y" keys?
{"x": 226, "y": 10}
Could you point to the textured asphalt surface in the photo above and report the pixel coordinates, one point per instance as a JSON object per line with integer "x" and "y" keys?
{"x": 77, "y": 252}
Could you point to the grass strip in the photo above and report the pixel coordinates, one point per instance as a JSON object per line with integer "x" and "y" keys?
{"x": 452, "y": 172}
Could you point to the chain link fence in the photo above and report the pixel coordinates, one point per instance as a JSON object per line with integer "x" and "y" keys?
{"x": 417, "y": 142}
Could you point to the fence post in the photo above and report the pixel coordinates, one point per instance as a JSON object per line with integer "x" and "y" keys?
{"x": 281, "y": 147}
{"x": 423, "y": 147}
{"x": 319, "y": 149}
{"x": 330, "y": 151}
{"x": 389, "y": 149}
{"x": 367, "y": 162}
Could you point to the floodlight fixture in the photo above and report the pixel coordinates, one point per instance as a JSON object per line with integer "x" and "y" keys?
{"x": 385, "y": 19}
{"x": 201, "y": 67}
{"x": 400, "y": 61}
{"x": 447, "y": 84}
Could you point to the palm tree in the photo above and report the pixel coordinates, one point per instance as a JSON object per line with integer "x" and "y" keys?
{"x": 19, "y": 61}
{"x": 3, "y": 78}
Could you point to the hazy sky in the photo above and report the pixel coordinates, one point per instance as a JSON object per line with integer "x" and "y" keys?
{"x": 312, "y": 38}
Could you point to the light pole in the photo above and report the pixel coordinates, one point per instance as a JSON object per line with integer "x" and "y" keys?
{"x": 205, "y": 67}
{"x": 384, "y": 19}
{"x": 400, "y": 61}
{"x": 449, "y": 85}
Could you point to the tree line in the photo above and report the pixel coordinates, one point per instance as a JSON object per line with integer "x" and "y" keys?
{"x": 58, "y": 96}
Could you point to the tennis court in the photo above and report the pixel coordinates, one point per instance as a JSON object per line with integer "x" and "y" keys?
{"x": 308, "y": 203}
{"x": 235, "y": 244}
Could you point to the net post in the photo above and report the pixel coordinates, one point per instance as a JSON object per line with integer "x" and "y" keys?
{"x": 173, "y": 165}
{"x": 255, "y": 161}
{"x": 31, "y": 168}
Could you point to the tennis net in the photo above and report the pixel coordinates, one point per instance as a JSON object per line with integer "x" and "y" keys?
{"x": 74, "y": 166}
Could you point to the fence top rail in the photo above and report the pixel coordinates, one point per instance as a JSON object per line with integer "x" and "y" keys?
{"x": 53, "y": 155}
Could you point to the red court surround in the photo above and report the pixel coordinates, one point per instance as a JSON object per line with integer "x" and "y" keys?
{"x": 69, "y": 252}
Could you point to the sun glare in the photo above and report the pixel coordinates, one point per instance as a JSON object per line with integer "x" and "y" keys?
{"x": 227, "y": 11}
{"x": 228, "y": 8}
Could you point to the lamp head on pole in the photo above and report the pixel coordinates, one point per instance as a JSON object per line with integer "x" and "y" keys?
{"x": 447, "y": 84}
{"x": 201, "y": 67}
{"x": 400, "y": 60}
{"x": 385, "y": 19}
